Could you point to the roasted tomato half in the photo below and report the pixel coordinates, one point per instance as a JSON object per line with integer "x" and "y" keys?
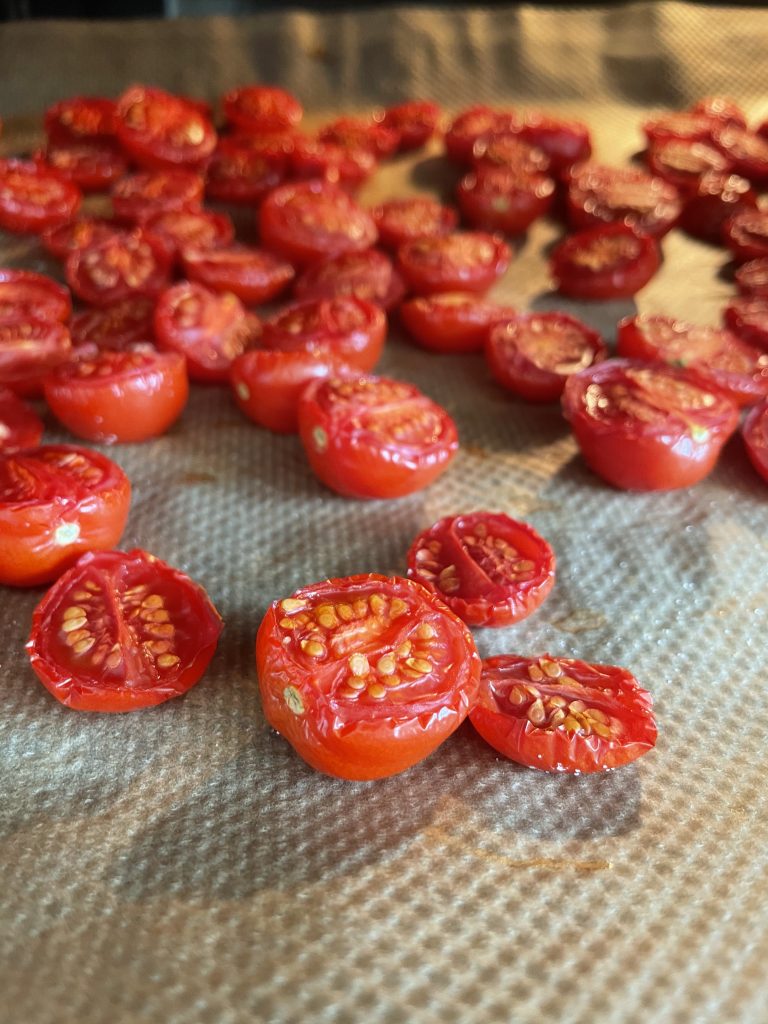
{"x": 468, "y": 261}
{"x": 20, "y": 426}
{"x": 160, "y": 130}
{"x": 610, "y": 262}
{"x": 33, "y": 199}
{"x": 29, "y": 349}
{"x": 451, "y": 321}
{"x": 27, "y": 295}
{"x": 352, "y": 329}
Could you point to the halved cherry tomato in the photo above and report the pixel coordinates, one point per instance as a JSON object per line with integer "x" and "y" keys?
{"x": 533, "y": 354}
{"x": 565, "y": 142}
{"x": 365, "y": 676}
{"x": 490, "y": 569}
{"x": 160, "y": 130}
{"x": 365, "y": 275}
{"x": 681, "y": 124}
{"x": 415, "y": 122}
{"x": 746, "y": 235}
{"x": 373, "y": 437}
{"x": 507, "y": 149}
{"x": 211, "y": 330}
{"x": 273, "y": 146}
{"x": 403, "y": 220}
{"x": 124, "y": 265}
{"x": 563, "y": 715}
{"x": 350, "y": 328}
{"x": 308, "y": 220}
{"x": 747, "y": 316}
{"x": 267, "y": 384}
{"x": 752, "y": 277}
{"x": 716, "y": 357}
{"x": 755, "y": 433}
{"x": 238, "y": 173}
{"x": 608, "y": 195}
{"x": 33, "y": 199}
{"x": 359, "y": 133}
{"x": 116, "y": 326}
{"x": 92, "y": 166}
{"x": 718, "y": 195}
{"x": 721, "y": 108}
{"x": 136, "y": 197}
{"x": 122, "y": 631}
{"x": 262, "y": 108}
{"x": 253, "y": 275}
{"x": 475, "y": 125}
{"x": 81, "y": 119}
{"x": 25, "y": 294}
{"x": 119, "y": 396}
{"x": 77, "y": 234}
{"x": 646, "y": 426}
{"x": 683, "y": 163}
{"x": 56, "y": 502}
{"x": 29, "y": 349}
{"x": 607, "y": 262}
{"x": 504, "y": 199}
{"x": 20, "y": 426}
{"x": 339, "y": 165}
{"x": 451, "y": 321}
{"x": 747, "y": 151}
{"x": 179, "y": 230}
{"x": 469, "y": 261}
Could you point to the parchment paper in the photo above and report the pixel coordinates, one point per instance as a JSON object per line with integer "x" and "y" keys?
{"x": 182, "y": 864}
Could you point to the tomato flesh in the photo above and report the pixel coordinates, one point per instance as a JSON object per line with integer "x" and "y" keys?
{"x": 563, "y": 715}
{"x": 608, "y": 195}
{"x": 475, "y": 125}
{"x": 608, "y": 262}
{"x": 747, "y": 316}
{"x": 747, "y": 151}
{"x": 365, "y": 275}
{"x": 253, "y": 275}
{"x": 33, "y": 199}
{"x": 29, "y": 349}
{"x": 238, "y": 173}
{"x": 27, "y": 295}
{"x": 56, "y": 502}
{"x": 415, "y": 122}
{"x": 20, "y": 426}
{"x": 746, "y": 235}
{"x": 161, "y": 131}
{"x": 468, "y": 261}
{"x": 565, "y": 142}
{"x": 262, "y": 108}
{"x": 179, "y": 230}
{"x": 116, "y": 326}
{"x": 683, "y": 163}
{"x": 77, "y": 234}
{"x": 93, "y": 167}
{"x": 718, "y": 196}
{"x": 137, "y": 197}
{"x": 122, "y": 631}
{"x": 451, "y": 321}
{"x": 350, "y": 328}
{"x": 752, "y": 277}
{"x": 126, "y": 264}
{"x": 327, "y": 161}
{"x": 81, "y": 119}
{"x": 403, "y": 220}
{"x": 365, "y": 676}
{"x": 755, "y": 433}
{"x": 358, "y": 133}
{"x": 504, "y": 199}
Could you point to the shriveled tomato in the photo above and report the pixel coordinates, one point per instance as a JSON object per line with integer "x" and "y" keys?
{"x": 29, "y": 349}
{"x": 373, "y": 437}
{"x": 746, "y": 235}
{"x": 77, "y": 234}
{"x": 683, "y": 163}
{"x": 92, "y": 166}
{"x": 124, "y": 265}
{"x": 20, "y": 426}
{"x": 752, "y": 277}
{"x": 533, "y": 354}
{"x": 451, "y": 321}
{"x": 56, "y": 502}
{"x": 608, "y": 195}
{"x": 350, "y": 328}
{"x": 179, "y": 230}
{"x": 747, "y": 316}
{"x": 119, "y": 396}
{"x": 209, "y": 329}
{"x": 504, "y": 199}
{"x": 340, "y": 165}
{"x": 714, "y": 356}
{"x": 403, "y": 220}
{"x": 563, "y": 715}
{"x": 718, "y": 196}
{"x": 308, "y": 220}
{"x": 565, "y": 141}
{"x": 415, "y": 122}
{"x": 361, "y": 133}
{"x": 365, "y": 275}
{"x": 253, "y": 275}
{"x": 136, "y": 197}
{"x": 267, "y": 384}
{"x": 490, "y": 569}
{"x": 33, "y": 199}
{"x": 262, "y": 108}
{"x": 238, "y": 173}
{"x": 755, "y": 433}
{"x": 81, "y": 119}
{"x": 25, "y": 294}
{"x": 608, "y": 262}
{"x": 160, "y": 130}
{"x": 121, "y": 631}
{"x": 475, "y": 125}
{"x": 507, "y": 149}
{"x": 365, "y": 676}
{"x": 469, "y": 261}
{"x": 747, "y": 151}
{"x": 646, "y": 426}
{"x": 116, "y": 326}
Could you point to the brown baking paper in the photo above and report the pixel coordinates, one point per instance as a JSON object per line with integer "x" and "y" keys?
{"x": 183, "y": 864}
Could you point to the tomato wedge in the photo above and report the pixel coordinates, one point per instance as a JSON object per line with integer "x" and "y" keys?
{"x": 136, "y": 197}
{"x": 507, "y": 149}
{"x": 126, "y": 264}
{"x": 451, "y": 321}
{"x": 747, "y": 151}
{"x": 29, "y": 349}
{"x": 20, "y": 426}
{"x": 681, "y": 124}
{"x": 160, "y": 130}
{"x": 56, "y": 502}
{"x": 373, "y": 437}
{"x": 116, "y": 326}
{"x": 608, "y": 195}
{"x": 350, "y": 328}
{"x": 253, "y": 275}
{"x": 565, "y": 142}
{"x": 469, "y": 261}
{"x": 119, "y": 396}
{"x": 27, "y": 295}
{"x": 367, "y": 275}
{"x": 722, "y": 109}
{"x": 475, "y": 125}
{"x": 33, "y": 199}
{"x": 755, "y": 434}
{"x": 563, "y": 715}
{"x": 607, "y": 262}
{"x": 122, "y": 631}
{"x": 490, "y": 569}
{"x": 646, "y": 426}
{"x": 403, "y": 220}
{"x": 365, "y": 676}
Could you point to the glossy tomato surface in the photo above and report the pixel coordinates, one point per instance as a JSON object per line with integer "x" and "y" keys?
{"x": 755, "y": 433}
{"x": 33, "y": 199}
{"x": 365, "y": 676}
{"x": 373, "y": 437}
{"x": 238, "y": 173}
{"x": 683, "y": 163}
{"x": 451, "y": 321}
{"x": 253, "y": 275}
{"x": 56, "y": 502}
{"x": 126, "y": 264}
{"x": 116, "y": 326}
{"x": 646, "y": 426}
{"x": 160, "y": 130}
{"x": 718, "y": 195}
{"x": 20, "y": 426}
{"x": 119, "y": 396}
{"x": 563, "y": 715}
{"x": 533, "y": 354}
{"x": 81, "y": 119}
{"x": 136, "y": 197}
{"x": 504, "y": 199}
{"x": 29, "y": 349}
{"x": 403, "y": 220}
{"x": 565, "y": 141}
{"x": 262, "y": 108}
{"x": 352, "y": 329}
{"x": 121, "y": 631}
{"x": 607, "y": 195}
{"x": 76, "y": 234}
{"x": 490, "y": 569}
{"x": 179, "y": 230}
{"x": 469, "y": 261}
{"x": 92, "y": 166}
{"x": 365, "y": 275}
{"x": 415, "y": 122}
{"x": 25, "y": 294}
{"x": 609, "y": 262}
{"x": 475, "y": 125}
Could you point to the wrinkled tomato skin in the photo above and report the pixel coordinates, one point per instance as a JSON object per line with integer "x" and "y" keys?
{"x": 365, "y": 737}
{"x": 755, "y": 434}
{"x": 139, "y": 679}
{"x": 626, "y": 262}
{"x": 267, "y": 384}
{"x": 352, "y": 329}
{"x": 679, "y": 451}
{"x": 25, "y": 294}
{"x": 29, "y": 349}
{"x": 253, "y": 275}
{"x": 357, "y": 462}
{"x": 20, "y": 426}
{"x": 503, "y": 710}
{"x": 469, "y": 261}
{"x": 451, "y": 321}
{"x": 484, "y": 594}
{"x": 47, "y": 520}
{"x": 119, "y": 396}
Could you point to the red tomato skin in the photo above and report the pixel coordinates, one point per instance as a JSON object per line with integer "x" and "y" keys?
{"x": 97, "y": 286}
{"x": 755, "y": 434}
{"x": 747, "y": 317}
{"x": 82, "y": 691}
{"x": 500, "y": 199}
{"x": 343, "y": 166}
{"x": 718, "y": 196}
{"x": 163, "y": 141}
{"x": 415, "y": 122}
{"x": 25, "y": 294}
{"x": 172, "y": 230}
{"x": 747, "y": 150}
{"x": 376, "y": 741}
{"x": 345, "y": 457}
{"x": 253, "y": 275}
{"x": 479, "y": 600}
{"x": 367, "y": 275}
{"x": 137, "y": 197}
{"x": 41, "y": 537}
{"x": 636, "y": 456}
{"x": 267, "y": 384}
{"x": 564, "y": 142}
{"x": 319, "y": 326}
{"x": 20, "y": 426}
{"x": 140, "y": 395}
{"x": 752, "y": 277}
{"x": 29, "y": 349}
{"x": 81, "y": 119}
{"x": 722, "y": 109}
{"x": 403, "y": 220}
{"x": 77, "y": 234}
{"x": 240, "y": 174}
{"x": 469, "y": 261}
{"x": 514, "y": 735}
{"x": 261, "y": 108}
{"x": 474, "y": 125}
{"x": 636, "y": 262}
{"x": 683, "y": 163}
{"x": 682, "y": 124}
{"x": 746, "y": 235}
{"x": 451, "y": 321}
{"x": 116, "y": 326}
{"x": 598, "y": 194}
{"x": 359, "y": 133}
{"x": 92, "y": 167}
{"x": 26, "y": 215}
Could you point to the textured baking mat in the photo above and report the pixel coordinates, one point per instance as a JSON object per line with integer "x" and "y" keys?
{"x": 182, "y": 864}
